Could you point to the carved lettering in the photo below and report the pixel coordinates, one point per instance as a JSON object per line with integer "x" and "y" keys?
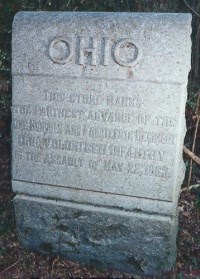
{"x": 131, "y": 168}
{"x": 18, "y": 155}
{"x": 125, "y": 53}
{"x": 106, "y": 165}
{"x": 95, "y": 100}
{"x": 87, "y": 53}
{"x": 112, "y": 166}
{"x": 33, "y": 125}
{"x": 63, "y": 160}
{"x": 124, "y": 101}
{"x": 126, "y": 151}
{"x": 94, "y": 164}
{"x": 105, "y": 51}
{"x": 50, "y": 96}
{"x": 33, "y": 156}
{"x": 131, "y": 152}
{"x": 49, "y": 111}
{"x": 94, "y": 51}
{"x": 59, "y": 144}
{"x": 54, "y": 159}
{"x": 166, "y": 121}
{"x": 60, "y": 50}
{"x": 149, "y": 170}
{"x": 73, "y": 130}
{"x": 106, "y": 133}
{"x": 107, "y": 116}
{"x": 153, "y": 137}
{"x": 85, "y": 99}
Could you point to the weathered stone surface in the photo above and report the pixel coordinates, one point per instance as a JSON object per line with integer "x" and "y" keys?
{"x": 106, "y": 238}
{"x": 160, "y": 51}
{"x": 105, "y": 154}
{"x": 98, "y": 120}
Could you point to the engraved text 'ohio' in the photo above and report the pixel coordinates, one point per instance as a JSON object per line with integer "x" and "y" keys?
{"x": 94, "y": 51}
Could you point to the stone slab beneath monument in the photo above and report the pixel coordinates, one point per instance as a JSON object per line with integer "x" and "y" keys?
{"x": 107, "y": 238}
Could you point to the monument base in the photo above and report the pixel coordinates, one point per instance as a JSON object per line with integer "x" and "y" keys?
{"x": 103, "y": 237}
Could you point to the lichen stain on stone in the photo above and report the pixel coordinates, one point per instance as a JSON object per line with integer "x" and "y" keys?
{"x": 46, "y": 247}
{"x": 28, "y": 231}
{"x": 137, "y": 264}
{"x": 96, "y": 263}
{"x": 129, "y": 73}
{"x": 56, "y": 217}
{"x": 63, "y": 228}
{"x": 71, "y": 244}
{"x": 115, "y": 227}
{"x": 77, "y": 214}
{"x": 98, "y": 241}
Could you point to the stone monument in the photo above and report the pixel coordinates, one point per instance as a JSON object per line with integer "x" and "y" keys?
{"x": 98, "y": 127}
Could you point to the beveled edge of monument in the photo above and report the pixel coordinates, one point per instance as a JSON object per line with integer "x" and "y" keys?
{"x": 187, "y": 16}
{"x": 93, "y": 207}
{"x": 94, "y": 198}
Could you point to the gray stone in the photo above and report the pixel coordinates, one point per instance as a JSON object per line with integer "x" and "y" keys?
{"x": 105, "y": 238}
{"x": 98, "y": 124}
